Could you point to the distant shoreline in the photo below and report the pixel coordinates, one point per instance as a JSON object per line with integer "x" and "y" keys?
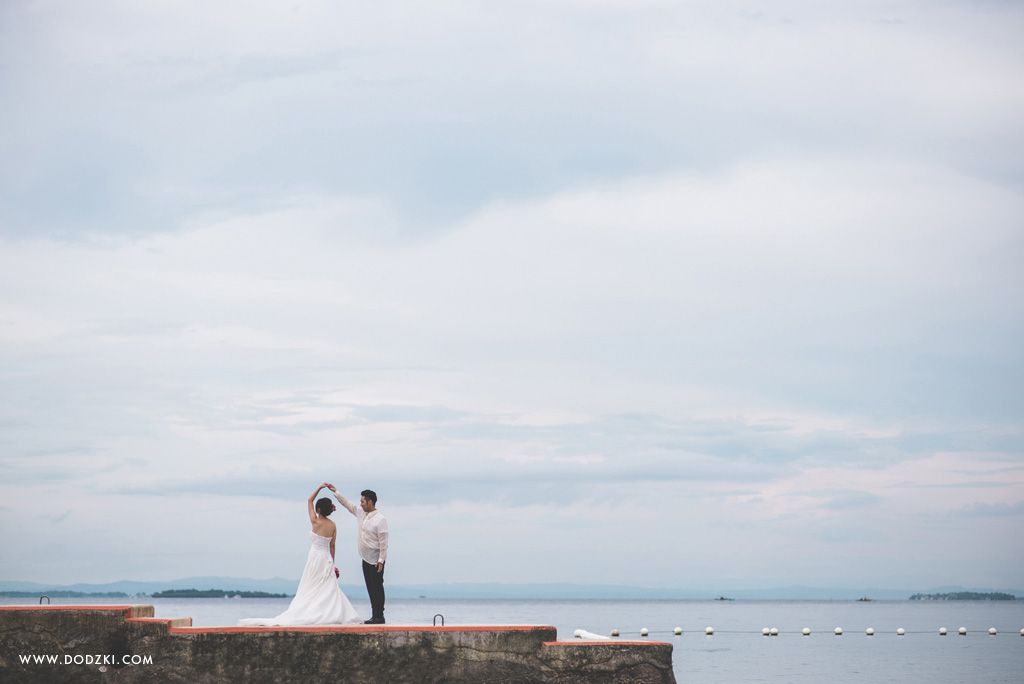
{"x": 64, "y": 594}
{"x": 242, "y": 586}
{"x": 215, "y": 593}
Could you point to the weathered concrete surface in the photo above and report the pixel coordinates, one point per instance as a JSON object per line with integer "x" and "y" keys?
{"x": 609, "y": 662}
{"x": 361, "y": 654}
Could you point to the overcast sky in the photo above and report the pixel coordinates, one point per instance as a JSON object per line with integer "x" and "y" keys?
{"x": 682, "y": 294}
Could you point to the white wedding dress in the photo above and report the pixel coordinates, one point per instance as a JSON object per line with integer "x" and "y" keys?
{"x": 319, "y": 600}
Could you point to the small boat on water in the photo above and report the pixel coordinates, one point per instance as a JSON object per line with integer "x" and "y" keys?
{"x": 865, "y": 598}
{"x": 722, "y": 598}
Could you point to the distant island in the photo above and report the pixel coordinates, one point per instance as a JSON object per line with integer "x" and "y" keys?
{"x": 965, "y": 596}
{"x": 214, "y": 593}
{"x": 61, "y": 593}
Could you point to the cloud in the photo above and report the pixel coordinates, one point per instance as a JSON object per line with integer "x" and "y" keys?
{"x": 684, "y": 277}
{"x": 247, "y": 111}
{"x": 985, "y": 510}
{"x": 57, "y": 519}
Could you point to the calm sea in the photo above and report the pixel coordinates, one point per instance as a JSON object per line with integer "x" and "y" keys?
{"x": 736, "y": 653}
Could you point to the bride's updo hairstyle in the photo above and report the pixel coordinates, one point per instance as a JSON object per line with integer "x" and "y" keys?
{"x": 325, "y": 507}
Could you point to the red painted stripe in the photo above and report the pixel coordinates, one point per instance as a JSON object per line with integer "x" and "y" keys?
{"x": 363, "y": 629}
{"x": 165, "y": 621}
{"x": 351, "y": 629}
{"x": 602, "y": 642}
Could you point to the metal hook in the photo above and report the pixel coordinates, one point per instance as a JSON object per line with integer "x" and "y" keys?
{"x": 44, "y": 596}
{"x": 439, "y": 616}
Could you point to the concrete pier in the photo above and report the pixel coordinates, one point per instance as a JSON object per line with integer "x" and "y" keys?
{"x": 47, "y": 644}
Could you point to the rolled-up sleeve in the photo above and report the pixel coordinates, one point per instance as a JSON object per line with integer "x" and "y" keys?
{"x": 382, "y": 540}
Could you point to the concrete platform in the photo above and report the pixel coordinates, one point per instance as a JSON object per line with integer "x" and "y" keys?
{"x": 128, "y": 643}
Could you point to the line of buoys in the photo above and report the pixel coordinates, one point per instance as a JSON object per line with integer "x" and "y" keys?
{"x": 774, "y": 631}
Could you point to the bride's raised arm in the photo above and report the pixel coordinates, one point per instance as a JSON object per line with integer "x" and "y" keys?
{"x": 309, "y": 504}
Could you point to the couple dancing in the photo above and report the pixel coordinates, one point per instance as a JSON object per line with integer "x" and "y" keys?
{"x": 319, "y": 600}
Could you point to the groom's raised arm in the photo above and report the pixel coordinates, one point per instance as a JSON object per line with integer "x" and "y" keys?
{"x": 343, "y": 501}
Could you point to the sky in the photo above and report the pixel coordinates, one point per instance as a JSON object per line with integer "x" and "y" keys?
{"x": 669, "y": 294}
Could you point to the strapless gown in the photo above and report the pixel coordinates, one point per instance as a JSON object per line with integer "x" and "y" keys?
{"x": 318, "y": 600}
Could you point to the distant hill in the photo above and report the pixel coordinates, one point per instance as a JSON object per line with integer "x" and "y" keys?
{"x": 965, "y": 596}
{"x": 279, "y": 585}
{"x": 215, "y": 593}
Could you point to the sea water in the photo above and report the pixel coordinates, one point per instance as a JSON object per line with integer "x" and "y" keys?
{"x": 736, "y": 653}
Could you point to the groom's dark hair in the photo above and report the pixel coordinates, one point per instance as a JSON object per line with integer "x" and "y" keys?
{"x": 325, "y": 507}
{"x": 369, "y": 494}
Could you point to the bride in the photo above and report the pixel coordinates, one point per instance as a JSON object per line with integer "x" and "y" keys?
{"x": 318, "y": 600}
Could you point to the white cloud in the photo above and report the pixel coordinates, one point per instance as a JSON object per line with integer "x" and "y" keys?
{"x": 760, "y": 269}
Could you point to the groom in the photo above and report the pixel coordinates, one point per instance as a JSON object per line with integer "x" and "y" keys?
{"x": 373, "y": 547}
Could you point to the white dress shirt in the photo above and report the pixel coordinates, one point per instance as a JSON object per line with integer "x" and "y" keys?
{"x": 373, "y": 532}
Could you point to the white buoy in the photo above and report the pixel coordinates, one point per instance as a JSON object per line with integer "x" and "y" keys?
{"x": 644, "y": 632}
{"x": 775, "y": 631}
{"x": 1022, "y": 632}
{"x": 839, "y": 631}
{"x": 962, "y": 631}
{"x": 869, "y": 632}
{"x": 709, "y": 631}
{"x": 942, "y": 631}
{"x": 901, "y": 631}
{"x": 678, "y": 631}
{"x": 767, "y": 632}
{"x": 992, "y": 631}
{"x": 807, "y": 631}
{"x": 615, "y": 632}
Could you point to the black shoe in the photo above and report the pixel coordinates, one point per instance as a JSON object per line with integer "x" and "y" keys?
{"x": 374, "y": 621}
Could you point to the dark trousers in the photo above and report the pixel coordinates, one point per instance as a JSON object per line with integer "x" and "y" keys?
{"x": 375, "y": 587}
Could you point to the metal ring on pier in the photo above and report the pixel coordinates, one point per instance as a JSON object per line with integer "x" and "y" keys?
{"x": 44, "y": 596}
{"x": 439, "y": 616}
